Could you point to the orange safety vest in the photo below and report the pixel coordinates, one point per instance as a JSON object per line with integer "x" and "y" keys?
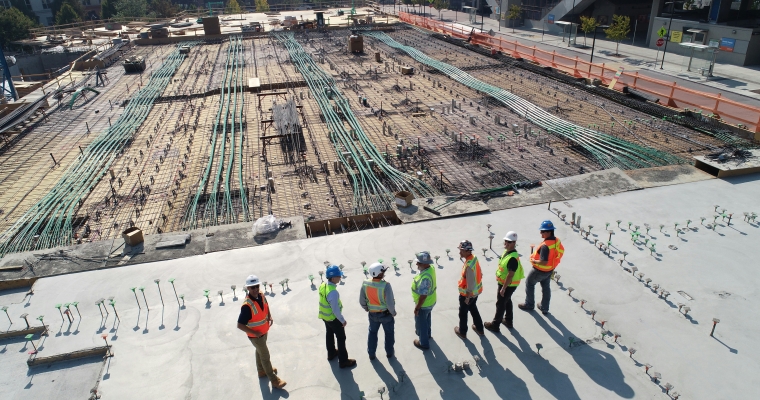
{"x": 472, "y": 263}
{"x": 375, "y": 293}
{"x": 259, "y": 321}
{"x": 556, "y": 251}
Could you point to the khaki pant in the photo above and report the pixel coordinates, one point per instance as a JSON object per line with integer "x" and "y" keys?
{"x": 262, "y": 357}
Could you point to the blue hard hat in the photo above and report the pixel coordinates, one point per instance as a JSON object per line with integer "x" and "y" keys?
{"x": 333, "y": 271}
{"x": 547, "y": 226}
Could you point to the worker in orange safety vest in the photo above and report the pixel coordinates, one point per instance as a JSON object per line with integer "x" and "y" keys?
{"x": 545, "y": 259}
{"x": 470, "y": 286}
{"x": 376, "y": 297}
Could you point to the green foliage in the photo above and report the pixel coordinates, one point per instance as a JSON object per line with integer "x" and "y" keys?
{"x": 162, "y": 8}
{"x": 21, "y": 6}
{"x": 262, "y": 6}
{"x": 588, "y": 24}
{"x": 514, "y": 13}
{"x": 14, "y": 25}
{"x": 66, "y": 15}
{"x": 233, "y": 7}
{"x": 107, "y": 9}
{"x": 131, "y": 8}
{"x": 76, "y": 5}
{"x": 619, "y": 29}
{"x": 408, "y": 2}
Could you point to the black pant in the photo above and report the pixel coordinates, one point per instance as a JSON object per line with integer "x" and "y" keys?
{"x": 472, "y": 308}
{"x": 335, "y": 330}
{"x": 504, "y": 305}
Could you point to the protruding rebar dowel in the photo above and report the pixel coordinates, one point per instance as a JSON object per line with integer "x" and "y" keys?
{"x": 134, "y": 291}
{"x": 142, "y": 289}
{"x": 171, "y": 280}
{"x": 158, "y": 284}
{"x": 715, "y": 323}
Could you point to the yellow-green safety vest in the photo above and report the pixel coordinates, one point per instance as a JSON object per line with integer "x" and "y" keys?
{"x": 429, "y": 274}
{"x": 325, "y": 311}
{"x": 502, "y": 272}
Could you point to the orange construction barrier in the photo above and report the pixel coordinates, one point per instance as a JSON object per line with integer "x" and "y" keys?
{"x": 669, "y": 93}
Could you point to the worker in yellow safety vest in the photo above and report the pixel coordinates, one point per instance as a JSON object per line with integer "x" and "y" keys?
{"x": 508, "y": 276}
{"x": 544, "y": 259}
{"x": 470, "y": 286}
{"x": 423, "y": 293}
{"x": 255, "y": 320}
{"x": 330, "y": 311}
{"x": 376, "y": 297}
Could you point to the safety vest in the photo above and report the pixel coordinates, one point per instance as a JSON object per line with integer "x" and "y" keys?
{"x": 473, "y": 264}
{"x": 429, "y": 274}
{"x": 259, "y": 322}
{"x": 375, "y": 292}
{"x": 502, "y": 272}
{"x": 556, "y": 251}
{"x": 325, "y": 311}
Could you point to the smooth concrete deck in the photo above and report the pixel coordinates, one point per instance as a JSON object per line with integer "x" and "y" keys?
{"x": 197, "y": 352}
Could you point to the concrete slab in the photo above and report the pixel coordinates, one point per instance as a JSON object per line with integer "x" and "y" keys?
{"x": 538, "y": 195}
{"x": 599, "y": 183}
{"x": 235, "y": 236}
{"x": 416, "y": 212}
{"x": 730, "y": 167}
{"x": 668, "y": 175}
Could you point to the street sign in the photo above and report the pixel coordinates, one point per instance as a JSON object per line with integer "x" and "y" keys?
{"x": 662, "y": 32}
{"x": 550, "y": 18}
{"x": 660, "y": 42}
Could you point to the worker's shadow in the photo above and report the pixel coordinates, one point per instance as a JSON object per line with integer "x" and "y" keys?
{"x": 550, "y": 378}
{"x": 268, "y": 393}
{"x": 599, "y": 365}
{"x": 346, "y": 381}
{"x": 506, "y": 384}
{"x": 398, "y": 387}
{"x": 451, "y": 385}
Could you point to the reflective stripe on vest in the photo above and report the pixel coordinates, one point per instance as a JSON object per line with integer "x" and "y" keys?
{"x": 375, "y": 292}
{"x": 502, "y": 272}
{"x": 325, "y": 311}
{"x": 259, "y": 322}
{"x": 475, "y": 266}
{"x": 426, "y": 274}
{"x": 556, "y": 251}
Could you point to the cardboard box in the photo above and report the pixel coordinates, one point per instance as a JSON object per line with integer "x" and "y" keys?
{"x": 132, "y": 236}
{"x": 404, "y": 198}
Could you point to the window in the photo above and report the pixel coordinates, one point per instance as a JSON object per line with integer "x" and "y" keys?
{"x": 28, "y": 4}
{"x": 5, "y": 3}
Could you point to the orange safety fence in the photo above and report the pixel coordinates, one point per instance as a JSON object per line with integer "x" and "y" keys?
{"x": 669, "y": 93}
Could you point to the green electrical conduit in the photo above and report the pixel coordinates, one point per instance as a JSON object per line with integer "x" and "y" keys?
{"x": 609, "y": 151}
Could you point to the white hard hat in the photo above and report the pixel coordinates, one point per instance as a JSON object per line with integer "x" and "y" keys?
{"x": 376, "y": 269}
{"x": 511, "y": 236}
{"x": 252, "y": 280}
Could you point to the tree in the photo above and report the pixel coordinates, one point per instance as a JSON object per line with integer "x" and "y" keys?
{"x": 514, "y": 13}
{"x": 14, "y": 25}
{"x": 619, "y": 29}
{"x": 75, "y": 5}
{"x": 441, "y": 5}
{"x": 588, "y": 24}
{"x": 67, "y": 15}
{"x": 233, "y": 7}
{"x": 131, "y": 8}
{"x": 107, "y": 9}
{"x": 262, "y": 6}
{"x": 162, "y": 8}
{"x": 21, "y": 6}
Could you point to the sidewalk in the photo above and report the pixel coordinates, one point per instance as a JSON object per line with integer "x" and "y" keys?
{"x": 731, "y": 81}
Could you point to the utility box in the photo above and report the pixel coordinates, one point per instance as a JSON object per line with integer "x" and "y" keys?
{"x": 356, "y": 44}
{"x": 184, "y": 50}
{"x": 404, "y": 198}
{"x": 211, "y": 26}
{"x": 407, "y": 70}
{"x": 134, "y": 64}
{"x": 132, "y": 236}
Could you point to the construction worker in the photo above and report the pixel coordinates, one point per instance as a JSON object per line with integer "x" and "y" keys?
{"x": 255, "y": 320}
{"x": 508, "y": 276}
{"x": 330, "y": 308}
{"x": 376, "y": 297}
{"x": 544, "y": 259}
{"x": 470, "y": 286}
{"x": 423, "y": 293}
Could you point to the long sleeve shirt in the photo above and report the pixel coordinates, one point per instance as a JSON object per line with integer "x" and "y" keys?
{"x": 332, "y": 299}
{"x": 470, "y": 277}
{"x": 390, "y": 302}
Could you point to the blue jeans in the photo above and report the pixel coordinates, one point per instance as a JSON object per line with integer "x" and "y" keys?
{"x": 423, "y": 325}
{"x": 387, "y": 321}
{"x": 544, "y": 278}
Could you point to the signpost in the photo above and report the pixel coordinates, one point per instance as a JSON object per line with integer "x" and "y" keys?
{"x": 660, "y": 42}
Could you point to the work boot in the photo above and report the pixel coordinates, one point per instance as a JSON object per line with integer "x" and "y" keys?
{"x": 545, "y": 312}
{"x": 507, "y": 324}
{"x": 524, "y": 307}
{"x": 480, "y": 333}
{"x": 263, "y": 374}
{"x": 418, "y": 345}
{"x": 348, "y": 364}
{"x": 491, "y": 327}
{"x": 456, "y": 330}
{"x": 279, "y": 384}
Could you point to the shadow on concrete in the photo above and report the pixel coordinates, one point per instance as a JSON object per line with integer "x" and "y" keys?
{"x": 506, "y": 384}
{"x": 738, "y": 180}
{"x": 731, "y": 349}
{"x": 345, "y": 377}
{"x": 550, "y": 378}
{"x": 600, "y": 366}
{"x": 451, "y": 384}
{"x": 399, "y": 387}
{"x": 268, "y": 393}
